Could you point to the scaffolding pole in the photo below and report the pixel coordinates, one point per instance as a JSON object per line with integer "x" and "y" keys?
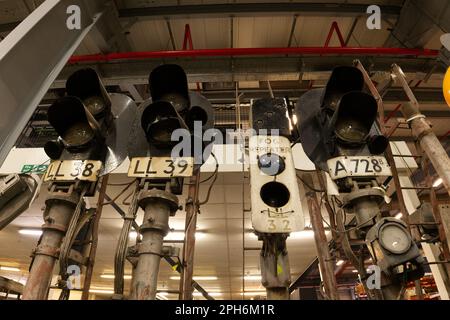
{"x": 186, "y": 288}
{"x": 323, "y": 252}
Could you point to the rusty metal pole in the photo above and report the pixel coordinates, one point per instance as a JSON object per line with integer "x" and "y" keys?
{"x": 158, "y": 206}
{"x": 388, "y": 153}
{"x": 323, "y": 252}
{"x": 275, "y": 269}
{"x": 57, "y": 215}
{"x": 93, "y": 249}
{"x": 187, "y": 272}
{"x": 428, "y": 141}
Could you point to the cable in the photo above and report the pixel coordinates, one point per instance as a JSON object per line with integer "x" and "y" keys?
{"x": 209, "y": 191}
{"x": 67, "y": 244}
{"x": 212, "y": 175}
{"x": 345, "y": 230}
{"x": 122, "y": 184}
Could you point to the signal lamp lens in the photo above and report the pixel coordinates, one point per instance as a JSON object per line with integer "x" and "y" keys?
{"x": 271, "y": 164}
{"x": 161, "y": 131}
{"x": 354, "y": 117}
{"x": 159, "y": 120}
{"x": 351, "y": 131}
{"x": 275, "y": 194}
{"x": 78, "y": 134}
{"x": 95, "y": 105}
{"x": 394, "y": 238}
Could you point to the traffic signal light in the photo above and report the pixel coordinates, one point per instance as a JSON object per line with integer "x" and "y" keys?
{"x": 274, "y": 191}
{"x": 339, "y": 119}
{"x": 391, "y": 245}
{"x": 173, "y": 107}
{"x": 173, "y": 113}
{"x": 91, "y": 124}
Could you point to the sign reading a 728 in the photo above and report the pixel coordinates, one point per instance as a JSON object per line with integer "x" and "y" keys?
{"x": 359, "y": 166}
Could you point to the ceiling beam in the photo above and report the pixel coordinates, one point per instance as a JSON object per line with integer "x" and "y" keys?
{"x": 260, "y": 68}
{"x": 255, "y": 9}
{"x": 418, "y": 22}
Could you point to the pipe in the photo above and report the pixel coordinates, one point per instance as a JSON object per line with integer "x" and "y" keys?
{"x": 429, "y": 142}
{"x": 158, "y": 206}
{"x": 253, "y": 52}
{"x": 275, "y": 269}
{"x": 57, "y": 216}
{"x": 323, "y": 253}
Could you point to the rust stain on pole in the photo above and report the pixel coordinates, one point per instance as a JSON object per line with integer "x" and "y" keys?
{"x": 323, "y": 252}
{"x": 57, "y": 216}
{"x": 187, "y": 273}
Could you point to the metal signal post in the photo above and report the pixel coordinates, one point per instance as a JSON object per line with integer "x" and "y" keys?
{"x": 339, "y": 134}
{"x": 274, "y": 193}
{"x": 160, "y": 173}
{"x": 89, "y": 123}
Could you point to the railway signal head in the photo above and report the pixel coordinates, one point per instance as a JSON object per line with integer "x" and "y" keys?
{"x": 273, "y": 183}
{"x": 172, "y": 107}
{"x": 339, "y": 119}
{"x": 91, "y": 124}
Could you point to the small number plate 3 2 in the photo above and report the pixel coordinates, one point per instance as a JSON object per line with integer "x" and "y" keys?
{"x": 161, "y": 167}
{"x": 70, "y": 170}
{"x": 358, "y": 166}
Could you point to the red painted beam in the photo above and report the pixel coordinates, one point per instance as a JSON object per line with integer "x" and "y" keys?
{"x": 334, "y": 27}
{"x": 253, "y": 52}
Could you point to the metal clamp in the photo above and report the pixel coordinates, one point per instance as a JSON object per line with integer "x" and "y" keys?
{"x": 46, "y": 251}
{"x": 416, "y": 116}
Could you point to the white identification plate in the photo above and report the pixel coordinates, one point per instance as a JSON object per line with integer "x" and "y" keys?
{"x": 161, "y": 167}
{"x": 70, "y": 170}
{"x": 284, "y": 217}
{"x": 358, "y": 166}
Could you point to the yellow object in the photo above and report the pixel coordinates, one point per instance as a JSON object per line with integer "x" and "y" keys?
{"x": 446, "y": 87}
{"x": 279, "y": 269}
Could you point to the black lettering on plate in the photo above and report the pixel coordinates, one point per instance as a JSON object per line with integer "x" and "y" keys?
{"x": 148, "y": 167}
{"x": 137, "y": 166}
{"x": 339, "y": 167}
{"x": 57, "y": 171}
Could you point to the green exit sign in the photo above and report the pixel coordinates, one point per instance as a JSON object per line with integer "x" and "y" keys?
{"x": 33, "y": 168}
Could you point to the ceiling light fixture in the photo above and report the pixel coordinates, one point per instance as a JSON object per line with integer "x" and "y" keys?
{"x": 251, "y": 277}
{"x": 254, "y": 293}
{"x": 31, "y": 232}
{"x": 3, "y": 268}
{"x": 212, "y": 294}
{"x": 305, "y": 234}
{"x": 197, "y": 278}
{"x": 437, "y": 182}
{"x": 102, "y": 291}
{"x": 111, "y": 276}
{"x": 179, "y": 236}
